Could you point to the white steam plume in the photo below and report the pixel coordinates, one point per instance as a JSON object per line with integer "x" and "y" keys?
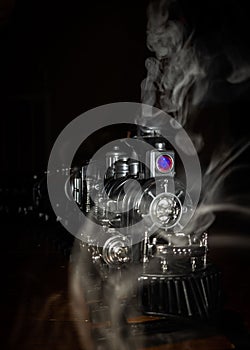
{"x": 112, "y": 324}
{"x": 212, "y": 201}
{"x": 175, "y": 70}
{"x": 180, "y": 74}
{"x": 177, "y": 80}
{"x": 240, "y": 67}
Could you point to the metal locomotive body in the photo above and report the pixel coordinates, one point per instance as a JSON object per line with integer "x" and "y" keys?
{"x": 141, "y": 209}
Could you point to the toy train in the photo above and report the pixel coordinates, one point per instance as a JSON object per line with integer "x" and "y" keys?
{"x": 141, "y": 208}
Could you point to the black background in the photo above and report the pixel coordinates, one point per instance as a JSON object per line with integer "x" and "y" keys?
{"x": 60, "y": 59}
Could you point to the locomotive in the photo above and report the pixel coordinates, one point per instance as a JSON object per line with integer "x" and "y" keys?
{"x": 141, "y": 208}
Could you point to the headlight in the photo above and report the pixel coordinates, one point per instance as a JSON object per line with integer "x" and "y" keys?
{"x": 164, "y": 163}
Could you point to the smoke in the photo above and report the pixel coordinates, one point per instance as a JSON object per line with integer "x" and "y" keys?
{"x": 213, "y": 200}
{"x": 240, "y": 67}
{"x": 178, "y": 78}
{"x": 103, "y": 303}
{"x": 176, "y": 69}
{"x": 183, "y": 74}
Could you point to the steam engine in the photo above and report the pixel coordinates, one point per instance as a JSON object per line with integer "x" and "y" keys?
{"x": 141, "y": 209}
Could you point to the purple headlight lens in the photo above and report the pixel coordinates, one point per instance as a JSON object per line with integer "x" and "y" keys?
{"x": 164, "y": 163}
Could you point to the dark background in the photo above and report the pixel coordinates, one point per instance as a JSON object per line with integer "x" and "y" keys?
{"x": 59, "y": 60}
